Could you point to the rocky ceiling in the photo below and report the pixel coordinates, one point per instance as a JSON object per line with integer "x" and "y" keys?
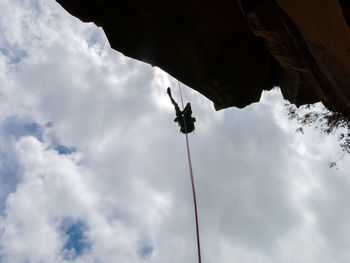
{"x": 230, "y": 51}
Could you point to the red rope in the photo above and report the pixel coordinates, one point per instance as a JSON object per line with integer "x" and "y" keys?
{"x": 192, "y": 180}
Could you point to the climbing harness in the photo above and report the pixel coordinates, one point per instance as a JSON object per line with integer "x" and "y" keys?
{"x": 192, "y": 180}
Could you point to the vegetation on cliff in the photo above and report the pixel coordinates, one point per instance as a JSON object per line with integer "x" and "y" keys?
{"x": 329, "y": 123}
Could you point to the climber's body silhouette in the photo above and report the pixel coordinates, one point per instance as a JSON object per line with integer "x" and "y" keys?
{"x": 183, "y": 115}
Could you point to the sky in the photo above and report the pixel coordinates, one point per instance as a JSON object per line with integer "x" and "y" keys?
{"x": 93, "y": 168}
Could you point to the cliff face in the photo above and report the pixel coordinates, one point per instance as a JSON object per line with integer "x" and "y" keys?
{"x": 232, "y": 50}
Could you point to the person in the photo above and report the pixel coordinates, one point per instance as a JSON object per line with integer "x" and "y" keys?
{"x": 184, "y": 116}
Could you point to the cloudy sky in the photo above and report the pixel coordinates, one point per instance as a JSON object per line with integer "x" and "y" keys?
{"x": 93, "y": 168}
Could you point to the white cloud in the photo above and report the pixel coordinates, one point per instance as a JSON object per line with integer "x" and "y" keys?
{"x": 265, "y": 193}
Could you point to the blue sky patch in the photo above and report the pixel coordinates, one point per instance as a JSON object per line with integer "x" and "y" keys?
{"x": 63, "y": 150}
{"x": 13, "y": 126}
{"x": 10, "y": 170}
{"x": 9, "y": 174}
{"x": 76, "y": 243}
{"x": 145, "y": 251}
{"x": 14, "y": 54}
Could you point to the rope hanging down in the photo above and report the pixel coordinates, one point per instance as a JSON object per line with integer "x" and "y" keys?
{"x": 192, "y": 180}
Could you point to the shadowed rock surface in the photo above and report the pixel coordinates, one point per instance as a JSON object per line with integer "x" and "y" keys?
{"x": 230, "y": 51}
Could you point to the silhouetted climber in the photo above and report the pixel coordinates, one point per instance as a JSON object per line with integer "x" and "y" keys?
{"x": 181, "y": 115}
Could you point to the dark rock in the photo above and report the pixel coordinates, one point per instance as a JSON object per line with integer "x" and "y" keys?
{"x": 325, "y": 32}
{"x": 232, "y": 50}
